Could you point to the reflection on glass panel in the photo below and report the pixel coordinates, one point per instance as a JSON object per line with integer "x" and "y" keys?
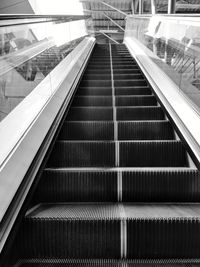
{"x": 174, "y": 45}
{"x": 161, "y": 6}
{"x": 136, "y": 6}
{"x": 188, "y": 6}
{"x": 28, "y": 53}
{"x": 146, "y": 6}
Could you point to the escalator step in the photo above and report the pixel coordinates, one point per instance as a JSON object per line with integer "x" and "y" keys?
{"x": 137, "y": 90}
{"x": 72, "y": 231}
{"x": 95, "y": 71}
{"x": 124, "y": 62}
{"x": 153, "y": 231}
{"x": 98, "y": 66}
{"x": 139, "y": 113}
{"x": 84, "y": 91}
{"x": 134, "y": 76}
{"x": 163, "y": 231}
{"x": 145, "y": 130}
{"x": 100, "y": 59}
{"x": 148, "y": 185}
{"x": 105, "y": 197}
{"x": 161, "y": 185}
{"x": 95, "y": 83}
{"x": 124, "y": 57}
{"x": 57, "y": 185}
{"x": 96, "y": 76}
{"x": 125, "y": 66}
{"x": 82, "y": 154}
{"x": 136, "y": 101}
{"x": 152, "y": 154}
{"x": 87, "y": 131}
{"x": 127, "y": 71}
{"x": 92, "y": 101}
{"x": 90, "y": 114}
{"x": 108, "y": 263}
{"x": 136, "y": 82}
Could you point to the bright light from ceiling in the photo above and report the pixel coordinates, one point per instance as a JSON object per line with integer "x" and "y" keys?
{"x": 64, "y": 7}
{"x": 64, "y": 32}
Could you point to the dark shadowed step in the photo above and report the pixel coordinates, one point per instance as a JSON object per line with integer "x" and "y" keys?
{"x": 62, "y": 185}
{"x": 136, "y": 101}
{"x": 139, "y": 113}
{"x": 152, "y": 154}
{"x": 83, "y": 101}
{"x": 87, "y": 130}
{"x": 161, "y": 185}
{"x": 135, "y": 90}
{"x": 90, "y": 114}
{"x": 82, "y": 154}
{"x": 72, "y": 231}
{"x": 95, "y": 91}
{"x": 145, "y": 130}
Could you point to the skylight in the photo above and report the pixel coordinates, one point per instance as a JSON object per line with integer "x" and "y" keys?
{"x": 64, "y": 7}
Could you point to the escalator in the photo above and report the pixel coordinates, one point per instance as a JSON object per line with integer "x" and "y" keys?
{"x": 119, "y": 187}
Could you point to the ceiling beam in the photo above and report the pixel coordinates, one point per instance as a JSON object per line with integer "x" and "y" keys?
{"x": 127, "y": 12}
{"x": 113, "y": 40}
{"x": 114, "y": 1}
{"x": 114, "y": 22}
{"x": 112, "y": 7}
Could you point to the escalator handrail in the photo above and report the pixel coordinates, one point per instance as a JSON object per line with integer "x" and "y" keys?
{"x": 17, "y": 58}
{"x": 23, "y": 19}
{"x": 23, "y": 131}
{"x": 177, "y": 105}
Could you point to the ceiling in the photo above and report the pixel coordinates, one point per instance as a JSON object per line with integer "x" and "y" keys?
{"x": 105, "y": 19}
{"x": 108, "y": 16}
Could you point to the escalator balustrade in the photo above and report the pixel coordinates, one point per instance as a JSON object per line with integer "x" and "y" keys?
{"x": 118, "y": 186}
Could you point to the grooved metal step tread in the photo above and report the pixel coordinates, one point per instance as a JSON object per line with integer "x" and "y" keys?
{"x": 164, "y": 185}
{"x": 97, "y": 77}
{"x": 90, "y": 114}
{"x": 98, "y": 66}
{"x": 81, "y": 231}
{"x": 82, "y": 154}
{"x": 97, "y": 71}
{"x": 145, "y": 130}
{"x": 108, "y": 263}
{"x": 92, "y": 101}
{"x": 77, "y": 186}
{"x": 94, "y": 230}
{"x": 107, "y": 211}
{"x": 137, "y": 90}
{"x": 152, "y": 154}
{"x": 96, "y": 83}
{"x": 132, "y": 154}
{"x": 132, "y": 76}
{"x": 87, "y": 131}
{"x": 94, "y": 91}
{"x": 136, "y": 100}
{"x": 126, "y": 71}
{"x": 101, "y": 185}
{"x": 80, "y": 211}
{"x": 139, "y": 113}
{"x": 125, "y": 66}
{"x": 124, "y": 62}
{"x": 116, "y": 58}
{"x": 128, "y": 130}
{"x": 126, "y": 83}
